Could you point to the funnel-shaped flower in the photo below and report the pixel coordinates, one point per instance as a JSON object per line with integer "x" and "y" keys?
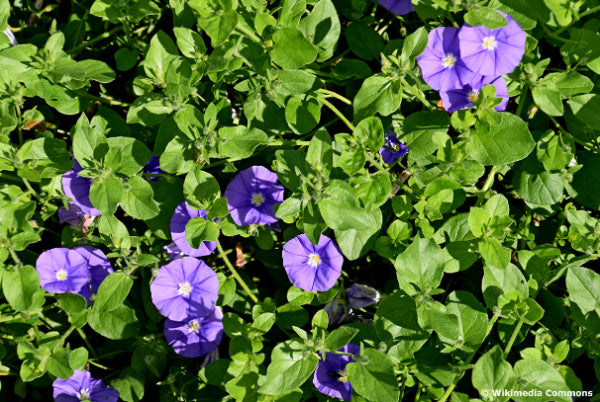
{"x": 441, "y": 62}
{"x": 78, "y": 189}
{"x": 195, "y": 337}
{"x": 62, "y": 270}
{"x": 185, "y": 288}
{"x": 312, "y": 267}
{"x": 400, "y": 7}
{"x": 82, "y": 387}
{"x": 393, "y": 148}
{"x": 492, "y": 52}
{"x": 330, "y": 377}
{"x": 252, "y": 194}
{"x": 457, "y": 99}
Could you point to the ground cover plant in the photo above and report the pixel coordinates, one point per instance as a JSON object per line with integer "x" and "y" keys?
{"x": 299, "y": 200}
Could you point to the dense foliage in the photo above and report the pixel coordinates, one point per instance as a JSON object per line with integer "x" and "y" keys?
{"x": 168, "y": 169}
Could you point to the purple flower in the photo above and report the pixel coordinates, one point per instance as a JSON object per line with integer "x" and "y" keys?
{"x": 457, "y": 99}
{"x": 330, "y": 376}
{"x": 252, "y": 194}
{"x": 62, "y": 270}
{"x": 99, "y": 268}
{"x": 360, "y": 296}
{"x": 173, "y": 252}
{"x": 182, "y": 215}
{"x": 441, "y": 62}
{"x": 78, "y": 189}
{"x": 153, "y": 167}
{"x": 337, "y": 312}
{"x": 393, "y": 148}
{"x": 492, "y": 51}
{"x": 400, "y": 7}
{"x": 195, "y": 337}
{"x": 71, "y": 215}
{"x": 311, "y": 267}
{"x": 82, "y": 387}
{"x": 185, "y": 288}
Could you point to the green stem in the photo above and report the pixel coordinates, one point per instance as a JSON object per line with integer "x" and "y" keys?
{"x": 98, "y": 38}
{"x": 522, "y": 100}
{"x": 335, "y": 95}
{"x": 63, "y": 338}
{"x": 583, "y": 14}
{"x": 449, "y": 390}
{"x": 513, "y": 337}
{"x": 15, "y": 257}
{"x": 234, "y": 273}
{"x": 490, "y": 179}
{"x": 9, "y": 177}
{"x": 19, "y": 125}
{"x": 278, "y": 143}
{"x": 107, "y": 100}
{"x": 419, "y": 94}
{"x": 336, "y": 111}
{"x": 375, "y": 163}
{"x": 87, "y": 343}
{"x": 250, "y": 34}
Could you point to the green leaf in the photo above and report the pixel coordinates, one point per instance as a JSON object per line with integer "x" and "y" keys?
{"x": 414, "y": 45}
{"x": 570, "y": 83}
{"x": 219, "y": 27}
{"x": 128, "y": 155}
{"x": 472, "y": 320}
{"x": 498, "y": 281}
{"x": 21, "y": 287}
{"x": 420, "y": 267}
{"x": 375, "y": 379}
{"x": 535, "y": 185}
{"x": 105, "y": 194}
{"x": 199, "y": 229}
{"x": 363, "y": 40}
{"x": 302, "y": 113}
{"x": 89, "y": 144}
{"x": 322, "y": 27}
{"x": 539, "y": 376}
{"x": 494, "y": 254}
{"x": 138, "y": 200}
{"x": 295, "y": 82}
{"x": 370, "y": 132}
{"x": 291, "y": 365}
{"x": 585, "y": 108}
{"x": 189, "y": 42}
{"x": 112, "y": 292}
{"x": 421, "y": 129}
{"x": 486, "y": 16}
{"x": 160, "y": 54}
{"x": 120, "y": 323}
{"x": 500, "y": 142}
{"x": 555, "y": 151}
{"x": 338, "y": 338}
{"x": 292, "y": 49}
{"x": 378, "y": 94}
{"x": 354, "y": 226}
{"x": 584, "y": 188}
{"x": 492, "y": 372}
{"x": 397, "y": 324}
{"x": 201, "y": 188}
{"x": 239, "y": 142}
{"x": 547, "y": 96}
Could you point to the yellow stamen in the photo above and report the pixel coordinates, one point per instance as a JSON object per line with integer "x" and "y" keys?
{"x": 61, "y": 275}
{"x": 314, "y": 260}
{"x": 184, "y": 289}
{"x": 257, "y": 199}
{"x": 489, "y": 43}
{"x": 449, "y": 60}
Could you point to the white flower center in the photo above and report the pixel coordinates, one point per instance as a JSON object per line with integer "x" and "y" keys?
{"x": 184, "y": 289}
{"x": 257, "y": 199}
{"x": 395, "y": 146}
{"x": 343, "y": 377}
{"x": 473, "y": 96}
{"x": 84, "y": 394}
{"x": 61, "y": 274}
{"x": 194, "y": 326}
{"x": 313, "y": 260}
{"x": 489, "y": 43}
{"x": 449, "y": 60}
